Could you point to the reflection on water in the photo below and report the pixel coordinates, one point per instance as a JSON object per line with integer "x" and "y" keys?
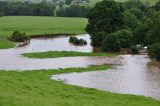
{"x": 10, "y": 59}
{"x": 137, "y": 75}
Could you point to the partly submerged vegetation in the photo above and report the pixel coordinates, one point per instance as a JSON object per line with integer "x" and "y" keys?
{"x": 38, "y": 26}
{"x": 123, "y": 25}
{"x": 55, "y": 54}
{"x": 35, "y": 88}
{"x": 74, "y": 40}
{"x": 19, "y": 37}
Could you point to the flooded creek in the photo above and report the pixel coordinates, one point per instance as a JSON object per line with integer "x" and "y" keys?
{"x": 10, "y": 59}
{"x": 136, "y": 75}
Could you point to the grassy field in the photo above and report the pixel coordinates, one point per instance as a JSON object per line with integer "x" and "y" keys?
{"x": 55, "y": 54}
{"x": 35, "y": 88}
{"x": 33, "y": 25}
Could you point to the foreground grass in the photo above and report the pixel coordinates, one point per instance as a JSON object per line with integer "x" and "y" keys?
{"x": 38, "y": 25}
{"x": 35, "y": 88}
{"x": 55, "y": 54}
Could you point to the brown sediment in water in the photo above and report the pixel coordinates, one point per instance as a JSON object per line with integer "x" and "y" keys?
{"x": 12, "y": 60}
{"x": 136, "y": 74}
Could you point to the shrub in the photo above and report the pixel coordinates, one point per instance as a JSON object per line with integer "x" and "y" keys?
{"x": 77, "y": 41}
{"x": 106, "y": 16}
{"x": 111, "y": 43}
{"x": 18, "y": 37}
{"x": 134, "y": 49}
{"x": 97, "y": 38}
{"x": 154, "y": 51}
{"x": 125, "y": 37}
{"x": 157, "y": 5}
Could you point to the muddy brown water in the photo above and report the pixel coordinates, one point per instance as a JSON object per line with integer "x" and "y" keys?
{"x": 10, "y": 59}
{"x": 137, "y": 75}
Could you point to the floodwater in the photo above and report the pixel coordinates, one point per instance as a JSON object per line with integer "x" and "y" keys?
{"x": 131, "y": 74}
{"x": 136, "y": 75}
{"x": 10, "y": 59}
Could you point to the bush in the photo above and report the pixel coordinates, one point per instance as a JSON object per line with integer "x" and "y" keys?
{"x": 125, "y": 37}
{"x": 77, "y": 41}
{"x": 157, "y": 5}
{"x": 111, "y": 43}
{"x": 97, "y": 38}
{"x": 134, "y": 49}
{"x": 18, "y": 37}
{"x": 154, "y": 51}
{"x": 106, "y": 16}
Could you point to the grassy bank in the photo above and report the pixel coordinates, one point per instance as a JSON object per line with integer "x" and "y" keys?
{"x": 37, "y": 25}
{"x": 55, "y": 54}
{"x": 6, "y": 44}
{"x": 35, "y": 88}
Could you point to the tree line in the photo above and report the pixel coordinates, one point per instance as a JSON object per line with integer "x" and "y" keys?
{"x": 132, "y": 24}
{"x": 43, "y": 8}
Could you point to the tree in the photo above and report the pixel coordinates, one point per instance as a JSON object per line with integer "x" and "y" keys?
{"x": 125, "y": 37}
{"x": 134, "y": 4}
{"x": 149, "y": 33}
{"x": 111, "y": 43}
{"x": 105, "y": 16}
{"x": 68, "y": 2}
{"x": 1, "y": 13}
{"x": 157, "y": 5}
{"x": 130, "y": 20}
{"x": 154, "y": 51}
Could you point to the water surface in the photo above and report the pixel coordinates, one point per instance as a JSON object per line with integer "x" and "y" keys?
{"x": 137, "y": 75}
{"x": 10, "y": 59}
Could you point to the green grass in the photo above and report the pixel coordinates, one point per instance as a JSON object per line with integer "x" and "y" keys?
{"x": 35, "y": 88}
{"x": 55, "y": 54}
{"x": 6, "y": 44}
{"x": 37, "y": 25}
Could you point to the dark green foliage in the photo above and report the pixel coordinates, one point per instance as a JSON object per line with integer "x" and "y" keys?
{"x": 27, "y": 8}
{"x": 106, "y": 16}
{"x": 130, "y": 19}
{"x": 77, "y": 41}
{"x": 97, "y": 38}
{"x": 134, "y": 49}
{"x": 72, "y": 11}
{"x": 61, "y": 4}
{"x": 157, "y": 6}
{"x": 149, "y": 33}
{"x": 134, "y": 4}
{"x": 19, "y": 37}
{"x": 111, "y": 43}
{"x": 1, "y": 14}
{"x": 154, "y": 51}
{"x": 125, "y": 38}
{"x": 68, "y": 2}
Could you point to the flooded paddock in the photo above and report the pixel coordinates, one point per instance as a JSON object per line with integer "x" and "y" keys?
{"x": 10, "y": 59}
{"x": 136, "y": 75}
{"x": 131, "y": 74}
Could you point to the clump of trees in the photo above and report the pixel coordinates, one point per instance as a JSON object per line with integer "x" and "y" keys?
{"x": 72, "y": 11}
{"x": 154, "y": 51}
{"x": 27, "y": 8}
{"x": 76, "y": 41}
{"x": 44, "y": 8}
{"x": 19, "y": 37}
{"x": 113, "y": 25}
